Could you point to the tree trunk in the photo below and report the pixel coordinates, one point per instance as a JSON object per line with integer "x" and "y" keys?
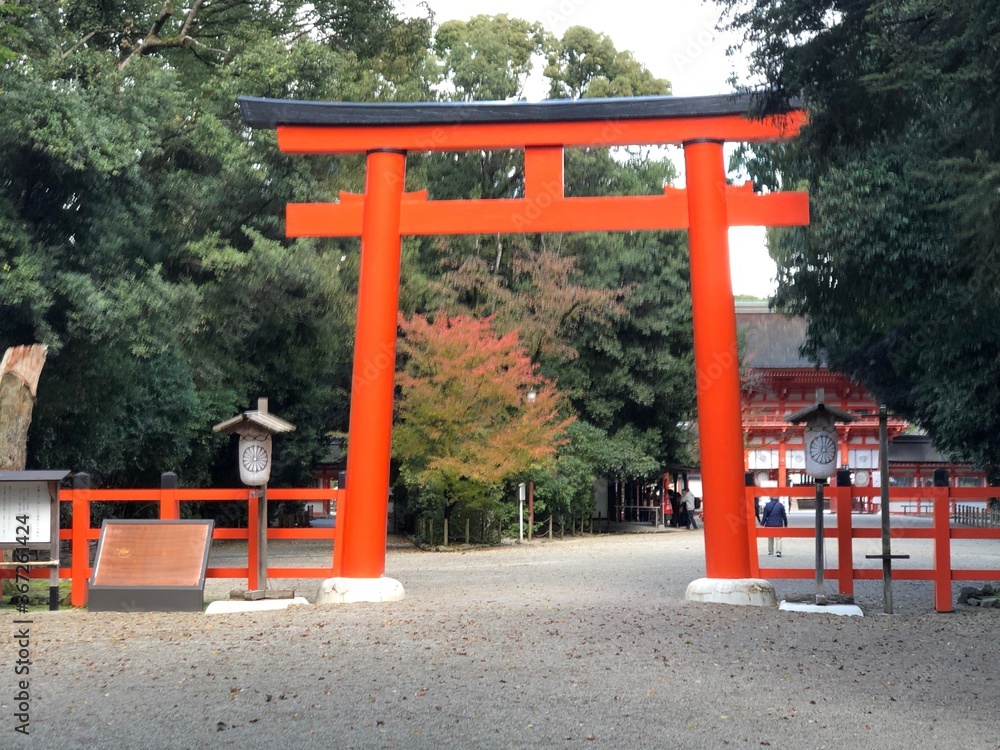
{"x": 19, "y": 372}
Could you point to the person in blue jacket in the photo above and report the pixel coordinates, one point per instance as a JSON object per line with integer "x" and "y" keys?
{"x": 773, "y": 516}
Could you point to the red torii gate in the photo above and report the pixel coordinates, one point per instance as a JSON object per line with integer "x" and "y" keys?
{"x": 706, "y": 208}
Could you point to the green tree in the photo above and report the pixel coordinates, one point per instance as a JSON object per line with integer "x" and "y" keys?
{"x": 634, "y": 377}
{"x": 606, "y": 316}
{"x": 585, "y": 63}
{"x": 488, "y": 57}
{"x": 141, "y": 235}
{"x": 140, "y": 229}
{"x": 897, "y": 272}
{"x": 539, "y": 295}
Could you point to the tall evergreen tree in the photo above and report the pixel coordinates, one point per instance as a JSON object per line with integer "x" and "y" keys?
{"x": 140, "y": 232}
{"x": 898, "y": 271}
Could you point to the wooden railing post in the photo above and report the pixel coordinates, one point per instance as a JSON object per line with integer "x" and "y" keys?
{"x": 338, "y": 532}
{"x": 942, "y": 552}
{"x": 80, "y": 543}
{"x": 253, "y": 544}
{"x": 169, "y": 507}
{"x": 752, "y": 534}
{"x": 845, "y": 538}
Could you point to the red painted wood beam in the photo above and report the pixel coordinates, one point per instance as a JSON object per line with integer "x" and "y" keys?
{"x": 545, "y": 210}
{"x": 355, "y": 139}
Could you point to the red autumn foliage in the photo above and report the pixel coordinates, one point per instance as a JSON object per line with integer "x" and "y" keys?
{"x": 463, "y": 410}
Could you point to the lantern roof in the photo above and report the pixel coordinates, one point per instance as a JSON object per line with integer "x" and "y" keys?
{"x": 818, "y": 409}
{"x": 259, "y": 417}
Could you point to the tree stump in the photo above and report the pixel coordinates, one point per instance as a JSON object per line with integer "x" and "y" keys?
{"x": 19, "y": 372}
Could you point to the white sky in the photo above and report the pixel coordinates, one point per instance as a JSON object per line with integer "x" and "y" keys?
{"x": 677, "y": 40}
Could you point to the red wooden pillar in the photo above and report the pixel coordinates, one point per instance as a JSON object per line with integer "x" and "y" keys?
{"x": 845, "y": 538}
{"x": 942, "y": 550}
{"x": 782, "y": 462}
{"x": 366, "y": 508}
{"x": 80, "y": 541}
{"x": 716, "y": 363}
{"x": 338, "y": 533}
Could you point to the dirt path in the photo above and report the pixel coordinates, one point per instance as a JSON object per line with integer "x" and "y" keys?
{"x": 580, "y": 643}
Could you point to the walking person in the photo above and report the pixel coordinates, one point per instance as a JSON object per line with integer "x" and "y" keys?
{"x": 687, "y": 500}
{"x": 774, "y": 516}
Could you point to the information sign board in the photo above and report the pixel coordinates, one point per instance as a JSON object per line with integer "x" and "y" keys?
{"x": 150, "y": 566}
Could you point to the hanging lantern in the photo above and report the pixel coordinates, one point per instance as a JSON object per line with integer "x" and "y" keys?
{"x": 821, "y": 446}
{"x": 820, "y": 436}
{"x": 255, "y": 457}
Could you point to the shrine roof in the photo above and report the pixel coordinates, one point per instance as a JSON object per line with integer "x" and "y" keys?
{"x": 915, "y": 449}
{"x": 269, "y": 113}
{"x": 772, "y": 340}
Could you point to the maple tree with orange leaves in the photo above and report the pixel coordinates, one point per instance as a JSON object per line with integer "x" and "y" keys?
{"x": 464, "y": 421}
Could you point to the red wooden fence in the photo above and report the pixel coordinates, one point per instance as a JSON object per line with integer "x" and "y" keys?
{"x": 169, "y": 500}
{"x": 846, "y": 503}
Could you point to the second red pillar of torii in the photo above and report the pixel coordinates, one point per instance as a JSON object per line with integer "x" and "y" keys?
{"x": 384, "y": 213}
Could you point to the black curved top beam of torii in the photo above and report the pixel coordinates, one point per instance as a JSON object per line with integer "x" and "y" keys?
{"x": 270, "y": 113}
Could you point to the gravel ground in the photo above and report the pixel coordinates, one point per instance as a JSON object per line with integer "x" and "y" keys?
{"x": 585, "y": 642}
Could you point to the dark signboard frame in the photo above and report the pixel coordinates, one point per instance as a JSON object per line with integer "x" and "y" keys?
{"x": 158, "y": 595}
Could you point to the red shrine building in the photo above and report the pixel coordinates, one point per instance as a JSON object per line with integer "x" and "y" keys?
{"x": 778, "y": 381}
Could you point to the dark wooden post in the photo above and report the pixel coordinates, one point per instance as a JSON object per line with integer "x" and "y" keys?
{"x": 169, "y": 507}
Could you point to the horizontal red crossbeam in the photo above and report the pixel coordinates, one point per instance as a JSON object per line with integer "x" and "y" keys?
{"x": 545, "y": 213}
{"x": 347, "y": 139}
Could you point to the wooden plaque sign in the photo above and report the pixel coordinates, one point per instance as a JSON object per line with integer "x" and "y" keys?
{"x": 32, "y": 503}
{"x": 145, "y": 566}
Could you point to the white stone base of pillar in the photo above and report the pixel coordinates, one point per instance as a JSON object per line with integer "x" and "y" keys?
{"x": 352, "y": 590}
{"x": 754, "y": 592}
{"x": 848, "y": 610}
{"x": 258, "y": 605}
